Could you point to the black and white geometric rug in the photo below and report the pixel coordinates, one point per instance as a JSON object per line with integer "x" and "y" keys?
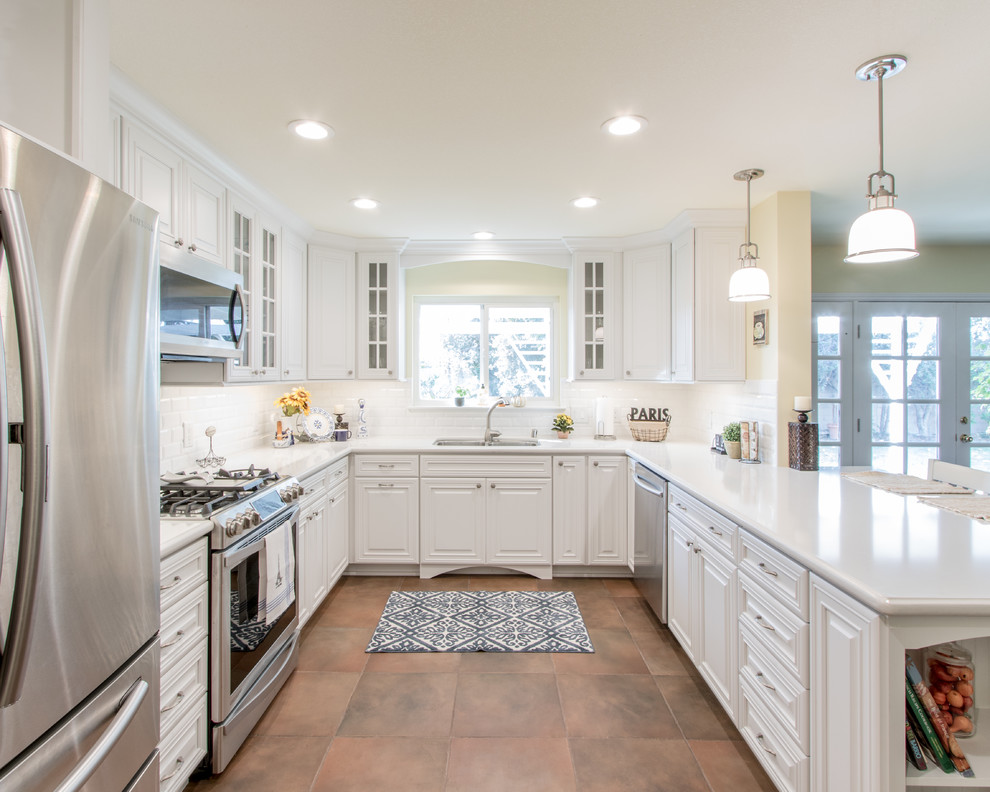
{"x": 481, "y": 621}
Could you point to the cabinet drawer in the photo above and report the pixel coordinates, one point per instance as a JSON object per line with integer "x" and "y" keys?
{"x": 719, "y": 530}
{"x": 337, "y": 472}
{"x": 183, "y": 625}
{"x": 776, "y": 628}
{"x": 392, "y": 465}
{"x": 186, "y": 681}
{"x": 784, "y": 761}
{"x": 313, "y": 486}
{"x": 183, "y": 571}
{"x": 778, "y": 690}
{"x": 487, "y": 465}
{"x": 181, "y": 755}
{"x": 786, "y": 580}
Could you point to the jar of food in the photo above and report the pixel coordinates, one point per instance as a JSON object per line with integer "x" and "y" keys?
{"x": 951, "y": 679}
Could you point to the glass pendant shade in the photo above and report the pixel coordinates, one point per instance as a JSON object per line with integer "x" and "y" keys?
{"x": 749, "y": 283}
{"x": 882, "y": 235}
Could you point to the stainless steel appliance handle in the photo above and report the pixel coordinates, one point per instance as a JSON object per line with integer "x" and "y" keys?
{"x": 94, "y": 757}
{"x": 4, "y": 436}
{"x": 238, "y": 297}
{"x": 244, "y": 551}
{"x": 644, "y": 486}
{"x": 34, "y": 376}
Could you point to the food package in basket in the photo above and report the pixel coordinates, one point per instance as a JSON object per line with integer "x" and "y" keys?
{"x": 951, "y": 680}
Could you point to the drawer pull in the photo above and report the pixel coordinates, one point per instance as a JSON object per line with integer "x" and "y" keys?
{"x": 697, "y": 549}
{"x": 178, "y": 766}
{"x": 178, "y": 637}
{"x": 759, "y": 739}
{"x": 689, "y": 544}
{"x": 764, "y": 567}
{"x": 175, "y": 582}
{"x": 386, "y": 467}
{"x": 338, "y": 474}
{"x": 681, "y": 506}
{"x": 759, "y": 676}
{"x": 385, "y": 484}
{"x": 764, "y": 625}
{"x": 178, "y": 700}
{"x": 712, "y": 529}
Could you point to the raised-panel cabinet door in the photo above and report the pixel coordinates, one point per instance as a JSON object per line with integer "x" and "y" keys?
{"x": 682, "y": 308}
{"x": 717, "y": 626}
{"x": 452, "y": 521}
{"x": 719, "y": 326}
{"x": 570, "y": 513}
{"x": 607, "y": 529}
{"x": 292, "y": 305}
{"x": 386, "y": 521}
{"x": 681, "y": 589}
{"x": 205, "y": 218}
{"x": 519, "y": 513}
{"x": 338, "y": 533}
{"x": 646, "y": 315}
{"x": 152, "y": 175}
{"x": 330, "y": 314}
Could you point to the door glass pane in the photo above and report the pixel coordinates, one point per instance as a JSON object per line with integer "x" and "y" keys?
{"x": 888, "y": 422}
{"x": 917, "y": 461}
{"x": 979, "y": 418}
{"x": 922, "y": 376}
{"x": 979, "y": 335}
{"x": 828, "y": 421}
{"x": 888, "y": 379}
{"x": 979, "y": 458}
{"x": 979, "y": 375}
{"x": 828, "y": 336}
{"x": 888, "y": 458}
{"x": 828, "y": 457}
{"x": 922, "y": 336}
{"x": 886, "y": 336}
{"x": 828, "y": 379}
{"x": 922, "y": 425}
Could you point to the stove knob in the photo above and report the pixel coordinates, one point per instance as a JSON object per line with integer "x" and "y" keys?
{"x": 252, "y": 517}
{"x": 231, "y": 529}
{"x": 235, "y": 525}
{"x": 286, "y": 494}
{"x": 299, "y": 490}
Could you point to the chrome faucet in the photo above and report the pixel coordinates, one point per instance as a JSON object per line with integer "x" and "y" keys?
{"x": 489, "y": 434}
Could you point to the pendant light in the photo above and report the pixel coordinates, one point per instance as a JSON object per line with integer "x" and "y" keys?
{"x": 883, "y": 233}
{"x": 749, "y": 282}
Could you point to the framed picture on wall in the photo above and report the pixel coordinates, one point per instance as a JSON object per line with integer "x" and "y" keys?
{"x": 761, "y": 330}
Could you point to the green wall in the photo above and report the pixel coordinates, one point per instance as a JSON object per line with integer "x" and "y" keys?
{"x": 940, "y": 269}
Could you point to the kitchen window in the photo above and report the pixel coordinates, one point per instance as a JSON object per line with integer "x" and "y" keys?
{"x": 500, "y": 346}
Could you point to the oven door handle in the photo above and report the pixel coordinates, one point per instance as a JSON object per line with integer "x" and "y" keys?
{"x": 234, "y": 556}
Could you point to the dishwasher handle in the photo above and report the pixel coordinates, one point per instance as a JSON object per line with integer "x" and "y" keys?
{"x": 644, "y": 485}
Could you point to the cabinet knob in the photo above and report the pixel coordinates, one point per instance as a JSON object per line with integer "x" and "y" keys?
{"x": 478, "y": 486}
{"x": 560, "y": 464}
{"x": 192, "y": 247}
{"x": 595, "y": 464}
{"x": 179, "y": 242}
{"x": 628, "y": 373}
{"x": 580, "y": 373}
{"x": 286, "y": 372}
{"x": 390, "y": 373}
{"x": 349, "y": 372}
{"x": 493, "y": 485}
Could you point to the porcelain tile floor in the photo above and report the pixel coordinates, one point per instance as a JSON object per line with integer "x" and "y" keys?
{"x": 633, "y": 716}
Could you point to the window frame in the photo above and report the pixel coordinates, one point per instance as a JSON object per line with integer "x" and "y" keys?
{"x": 484, "y": 302}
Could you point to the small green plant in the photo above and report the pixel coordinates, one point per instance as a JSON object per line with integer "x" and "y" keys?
{"x": 563, "y": 423}
{"x": 460, "y": 392}
{"x": 731, "y": 432}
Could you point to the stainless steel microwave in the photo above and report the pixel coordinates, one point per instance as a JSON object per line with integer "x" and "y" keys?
{"x": 202, "y": 308}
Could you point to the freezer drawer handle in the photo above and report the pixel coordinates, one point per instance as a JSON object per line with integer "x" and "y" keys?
{"x": 102, "y": 747}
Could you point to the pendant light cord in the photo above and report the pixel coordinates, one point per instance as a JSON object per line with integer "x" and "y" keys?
{"x": 880, "y": 72}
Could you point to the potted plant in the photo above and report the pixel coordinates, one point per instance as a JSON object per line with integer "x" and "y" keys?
{"x": 564, "y": 425}
{"x": 459, "y": 395}
{"x": 730, "y": 436}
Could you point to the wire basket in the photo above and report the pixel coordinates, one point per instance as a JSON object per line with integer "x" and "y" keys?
{"x": 649, "y": 431}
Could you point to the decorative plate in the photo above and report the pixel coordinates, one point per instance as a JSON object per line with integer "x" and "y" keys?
{"x": 319, "y": 424}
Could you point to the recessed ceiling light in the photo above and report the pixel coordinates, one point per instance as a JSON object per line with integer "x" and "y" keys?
{"x": 365, "y": 203}
{"x": 483, "y": 235}
{"x": 624, "y": 125}
{"x": 584, "y": 202}
{"x": 311, "y": 130}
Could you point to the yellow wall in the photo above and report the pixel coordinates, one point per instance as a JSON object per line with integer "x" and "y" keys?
{"x": 940, "y": 269}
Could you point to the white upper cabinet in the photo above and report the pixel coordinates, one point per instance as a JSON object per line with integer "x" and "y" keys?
{"x": 646, "y": 299}
{"x": 331, "y": 319}
{"x": 379, "y": 301}
{"x": 191, "y": 203}
{"x": 292, "y": 304}
{"x": 594, "y": 339}
{"x": 682, "y": 308}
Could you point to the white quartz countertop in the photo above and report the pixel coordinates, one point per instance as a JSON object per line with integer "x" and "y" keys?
{"x": 891, "y": 552}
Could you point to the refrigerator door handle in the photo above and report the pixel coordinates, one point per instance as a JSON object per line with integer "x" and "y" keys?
{"x": 37, "y": 419}
{"x": 90, "y": 763}
{"x": 238, "y": 299}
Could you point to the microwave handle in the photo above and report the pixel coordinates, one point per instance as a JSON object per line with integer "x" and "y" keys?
{"x": 237, "y": 298}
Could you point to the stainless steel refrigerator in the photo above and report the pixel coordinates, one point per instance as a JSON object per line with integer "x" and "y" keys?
{"x": 79, "y": 457}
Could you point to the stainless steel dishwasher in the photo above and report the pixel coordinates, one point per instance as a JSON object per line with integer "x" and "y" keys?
{"x": 650, "y": 536}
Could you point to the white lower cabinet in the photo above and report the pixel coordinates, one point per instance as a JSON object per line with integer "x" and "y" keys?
{"x": 338, "y": 531}
{"x": 590, "y": 502}
{"x": 322, "y": 537}
{"x": 386, "y": 510}
{"x": 570, "y": 513}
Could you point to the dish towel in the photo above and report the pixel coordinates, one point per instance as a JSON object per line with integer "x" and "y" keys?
{"x": 280, "y": 572}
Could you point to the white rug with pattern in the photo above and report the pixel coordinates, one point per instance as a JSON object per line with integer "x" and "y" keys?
{"x": 481, "y": 621}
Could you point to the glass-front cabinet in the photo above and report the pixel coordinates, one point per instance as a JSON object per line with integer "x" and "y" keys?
{"x": 379, "y": 301}
{"x": 595, "y": 326}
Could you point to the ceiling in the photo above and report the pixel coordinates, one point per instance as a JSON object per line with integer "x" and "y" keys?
{"x": 463, "y": 115}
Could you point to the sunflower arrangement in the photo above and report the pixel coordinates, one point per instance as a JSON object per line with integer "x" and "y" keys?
{"x": 295, "y": 401}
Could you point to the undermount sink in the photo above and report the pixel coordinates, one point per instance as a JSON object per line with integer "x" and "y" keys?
{"x": 476, "y": 442}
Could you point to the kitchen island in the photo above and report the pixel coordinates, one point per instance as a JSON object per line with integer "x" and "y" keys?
{"x": 887, "y": 574}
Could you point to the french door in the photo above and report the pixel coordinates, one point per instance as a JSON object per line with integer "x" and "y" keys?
{"x": 899, "y": 383}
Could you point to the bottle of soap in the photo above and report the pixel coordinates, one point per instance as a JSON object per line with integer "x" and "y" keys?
{"x": 482, "y": 397}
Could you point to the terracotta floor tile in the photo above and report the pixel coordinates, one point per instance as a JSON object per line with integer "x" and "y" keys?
{"x": 601, "y": 706}
{"x": 355, "y": 607}
{"x": 615, "y": 653}
{"x": 334, "y": 649}
{"x": 504, "y": 705}
{"x": 371, "y": 583}
{"x": 312, "y": 704}
{"x": 621, "y": 587}
{"x": 632, "y": 765}
{"x": 401, "y": 705}
{"x": 590, "y": 587}
{"x": 496, "y": 764}
{"x": 413, "y": 662}
{"x": 599, "y": 612}
{"x": 662, "y": 653}
{"x": 441, "y": 583}
{"x": 695, "y": 709}
{"x": 502, "y": 583}
{"x": 507, "y": 662}
{"x": 636, "y": 614}
{"x": 288, "y": 764}
{"x": 364, "y": 764}
{"x": 730, "y": 766}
